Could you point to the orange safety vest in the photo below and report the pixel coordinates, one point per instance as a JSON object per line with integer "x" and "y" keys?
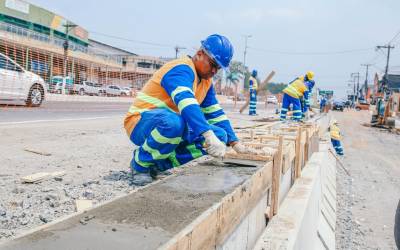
{"x": 153, "y": 95}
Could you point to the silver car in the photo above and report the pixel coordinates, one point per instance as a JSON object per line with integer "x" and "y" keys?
{"x": 20, "y": 85}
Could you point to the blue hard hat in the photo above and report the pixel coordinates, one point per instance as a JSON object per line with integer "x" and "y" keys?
{"x": 219, "y": 49}
{"x": 254, "y": 73}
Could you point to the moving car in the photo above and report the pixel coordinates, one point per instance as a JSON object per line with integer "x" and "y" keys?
{"x": 272, "y": 99}
{"x": 338, "y": 105}
{"x": 20, "y": 85}
{"x": 89, "y": 88}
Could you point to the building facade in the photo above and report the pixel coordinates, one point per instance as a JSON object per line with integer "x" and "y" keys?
{"x": 36, "y": 38}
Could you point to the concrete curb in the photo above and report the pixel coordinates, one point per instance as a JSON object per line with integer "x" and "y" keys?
{"x": 312, "y": 224}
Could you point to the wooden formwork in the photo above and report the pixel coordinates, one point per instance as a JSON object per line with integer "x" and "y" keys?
{"x": 292, "y": 147}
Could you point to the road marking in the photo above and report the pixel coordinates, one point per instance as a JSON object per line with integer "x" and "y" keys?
{"x": 58, "y": 120}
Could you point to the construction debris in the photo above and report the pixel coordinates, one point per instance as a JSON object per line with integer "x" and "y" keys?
{"x": 38, "y": 177}
{"x": 82, "y": 205}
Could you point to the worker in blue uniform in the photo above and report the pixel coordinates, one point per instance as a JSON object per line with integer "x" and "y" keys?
{"x": 176, "y": 116}
{"x": 293, "y": 94}
{"x": 253, "y": 86}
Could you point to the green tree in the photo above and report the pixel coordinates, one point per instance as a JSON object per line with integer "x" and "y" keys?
{"x": 275, "y": 88}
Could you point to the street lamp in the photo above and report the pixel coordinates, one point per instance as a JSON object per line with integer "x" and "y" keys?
{"x": 245, "y": 48}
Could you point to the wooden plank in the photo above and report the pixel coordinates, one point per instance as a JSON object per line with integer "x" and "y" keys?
{"x": 41, "y": 176}
{"x": 298, "y": 160}
{"x": 276, "y": 177}
{"x": 34, "y": 178}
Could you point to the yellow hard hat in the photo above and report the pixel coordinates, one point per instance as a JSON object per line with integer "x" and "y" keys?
{"x": 310, "y": 75}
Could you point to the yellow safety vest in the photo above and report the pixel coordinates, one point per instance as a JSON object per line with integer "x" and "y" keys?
{"x": 255, "y": 83}
{"x": 296, "y": 89}
{"x": 335, "y": 132}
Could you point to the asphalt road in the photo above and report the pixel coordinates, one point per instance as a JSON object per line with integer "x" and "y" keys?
{"x": 69, "y": 111}
{"x": 56, "y": 111}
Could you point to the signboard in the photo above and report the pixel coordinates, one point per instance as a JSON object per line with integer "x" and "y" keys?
{"x": 18, "y": 5}
{"x": 326, "y": 92}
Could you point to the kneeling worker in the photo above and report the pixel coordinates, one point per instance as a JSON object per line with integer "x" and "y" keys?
{"x": 176, "y": 117}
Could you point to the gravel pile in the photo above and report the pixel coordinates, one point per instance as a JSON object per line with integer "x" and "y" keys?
{"x": 32, "y": 205}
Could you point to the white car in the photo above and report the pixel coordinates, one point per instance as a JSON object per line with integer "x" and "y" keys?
{"x": 18, "y": 84}
{"x": 113, "y": 90}
{"x": 89, "y": 88}
{"x": 272, "y": 99}
{"x": 126, "y": 91}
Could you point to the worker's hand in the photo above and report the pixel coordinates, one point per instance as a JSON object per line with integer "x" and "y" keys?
{"x": 214, "y": 146}
{"x": 242, "y": 149}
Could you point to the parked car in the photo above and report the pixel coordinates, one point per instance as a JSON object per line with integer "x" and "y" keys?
{"x": 126, "y": 91}
{"x": 56, "y": 84}
{"x": 338, "y": 105}
{"x": 18, "y": 84}
{"x": 272, "y": 99}
{"x": 89, "y": 88}
{"x": 113, "y": 90}
{"x": 362, "y": 105}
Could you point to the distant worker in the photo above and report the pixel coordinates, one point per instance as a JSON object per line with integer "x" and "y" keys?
{"x": 336, "y": 137}
{"x": 294, "y": 92}
{"x": 176, "y": 117}
{"x": 253, "y": 86}
{"x": 306, "y": 105}
{"x": 322, "y": 104}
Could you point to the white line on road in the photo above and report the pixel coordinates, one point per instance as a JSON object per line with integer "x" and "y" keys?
{"x": 57, "y": 120}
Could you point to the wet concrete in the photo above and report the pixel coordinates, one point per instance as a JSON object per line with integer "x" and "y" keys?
{"x": 142, "y": 220}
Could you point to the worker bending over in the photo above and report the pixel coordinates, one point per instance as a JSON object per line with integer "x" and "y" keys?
{"x": 253, "y": 86}
{"x": 306, "y": 106}
{"x": 293, "y": 93}
{"x": 336, "y": 137}
{"x": 176, "y": 117}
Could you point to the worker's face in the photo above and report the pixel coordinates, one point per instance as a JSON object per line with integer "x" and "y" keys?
{"x": 206, "y": 67}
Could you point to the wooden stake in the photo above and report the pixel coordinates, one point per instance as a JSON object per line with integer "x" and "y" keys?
{"x": 276, "y": 176}
{"x": 297, "y": 170}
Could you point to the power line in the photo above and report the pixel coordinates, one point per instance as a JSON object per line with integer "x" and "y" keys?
{"x": 133, "y": 41}
{"x": 395, "y": 36}
{"x": 312, "y": 53}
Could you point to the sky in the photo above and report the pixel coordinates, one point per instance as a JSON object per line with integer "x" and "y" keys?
{"x": 330, "y": 37}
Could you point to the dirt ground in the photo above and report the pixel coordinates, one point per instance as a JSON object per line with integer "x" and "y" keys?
{"x": 367, "y": 199}
{"x": 95, "y": 154}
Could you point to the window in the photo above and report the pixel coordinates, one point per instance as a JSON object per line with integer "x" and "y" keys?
{"x": 7, "y": 64}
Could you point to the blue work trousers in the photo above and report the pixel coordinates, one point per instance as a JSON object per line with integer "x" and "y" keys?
{"x": 253, "y": 102}
{"x": 165, "y": 141}
{"x": 287, "y": 100}
{"x": 337, "y": 146}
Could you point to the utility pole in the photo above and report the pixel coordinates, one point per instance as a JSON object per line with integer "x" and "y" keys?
{"x": 177, "y": 50}
{"x": 356, "y": 90}
{"x": 385, "y": 77}
{"x": 245, "y": 49}
{"x": 68, "y": 27}
{"x": 366, "y": 79}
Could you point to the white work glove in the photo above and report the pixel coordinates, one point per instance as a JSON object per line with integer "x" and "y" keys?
{"x": 214, "y": 146}
{"x": 241, "y": 149}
